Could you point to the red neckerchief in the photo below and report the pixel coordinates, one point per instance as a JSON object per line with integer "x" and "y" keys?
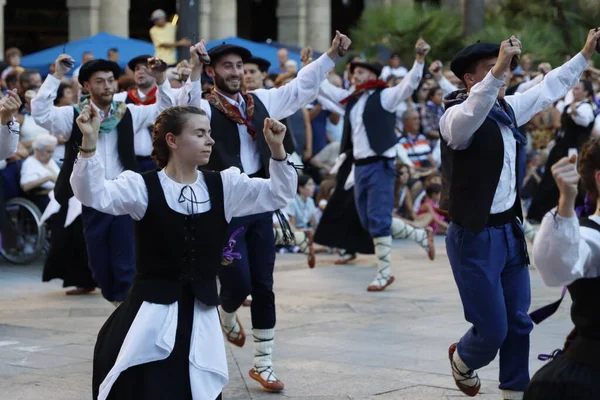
{"x": 150, "y": 97}
{"x": 360, "y": 89}
{"x": 232, "y": 112}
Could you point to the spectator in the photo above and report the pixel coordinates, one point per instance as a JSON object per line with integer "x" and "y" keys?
{"x": 163, "y": 35}
{"x": 12, "y": 80}
{"x": 39, "y": 171}
{"x": 13, "y": 57}
{"x": 544, "y": 125}
{"x": 87, "y": 56}
{"x": 414, "y": 142}
{"x": 113, "y": 55}
{"x": 291, "y": 66}
{"x": 394, "y": 68}
{"x": 302, "y": 210}
{"x": 325, "y": 159}
{"x": 318, "y": 120}
{"x": 434, "y": 108}
{"x": 430, "y": 205}
{"x": 282, "y": 56}
{"x": 29, "y": 79}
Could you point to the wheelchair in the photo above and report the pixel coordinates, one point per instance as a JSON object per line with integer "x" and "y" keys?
{"x": 24, "y": 238}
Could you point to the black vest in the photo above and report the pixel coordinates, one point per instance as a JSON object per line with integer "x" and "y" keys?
{"x": 470, "y": 177}
{"x": 586, "y": 302}
{"x": 379, "y": 123}
{"x": 63, "y": 191}
{"x": 226, "y": 150}
{"x": 174, "y": 249}
{"x": 574, "y": 135}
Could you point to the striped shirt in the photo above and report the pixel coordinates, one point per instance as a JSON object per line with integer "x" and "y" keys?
{"x": 417, "y": 148}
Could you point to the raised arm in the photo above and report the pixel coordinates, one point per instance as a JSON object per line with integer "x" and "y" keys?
{"x": 144, "y": 115}
{"x": 57, "y": 120}
{"x": 191, "y": 92}
{"x": 284, "y": 101}
{"x": 459, "y": 123}
{"x": 125, "y": 195}
{"x": 555, "y": 84}
{"x": 247, "y": 196}
{"x": 560, "y": 252}
{"x": 392, "y": 97}
{"x": 9, "y": 127}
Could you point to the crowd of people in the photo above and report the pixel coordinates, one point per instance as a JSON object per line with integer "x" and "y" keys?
{"x": 119, "y": 163}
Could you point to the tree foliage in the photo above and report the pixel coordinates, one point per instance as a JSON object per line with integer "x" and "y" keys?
{"x": 549, "y": 29}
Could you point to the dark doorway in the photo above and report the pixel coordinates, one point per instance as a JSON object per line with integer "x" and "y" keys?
{"x": 345, "y": 14}
{"x": 140, "y": 12}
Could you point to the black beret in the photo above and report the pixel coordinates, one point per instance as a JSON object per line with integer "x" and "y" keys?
{"x": 374, "y": 67}
{"x": 143, "y": 59}
{"x": 471, "y": 54}
{"x": 263, "y": 64}
{"x": 223, "y": 49}
{"x": 99, "y": 64}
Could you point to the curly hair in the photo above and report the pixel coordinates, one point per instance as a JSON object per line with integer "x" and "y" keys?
{"x": 172, "y": 120}
{"x": 589, "y": 164}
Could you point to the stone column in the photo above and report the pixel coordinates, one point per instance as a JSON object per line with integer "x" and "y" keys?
{"x": 318, "y": 19}
{"x": 224, "y": 18}
{"x": 204, "y": 28}
{"x": 2, "y": 36}
{"x": 114, "y": 17}
{"x": 292, "y": 22}
{"x": 84, "y": 16}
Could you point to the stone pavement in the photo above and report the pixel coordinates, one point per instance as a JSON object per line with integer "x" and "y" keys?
{"x": 334, "y": 339}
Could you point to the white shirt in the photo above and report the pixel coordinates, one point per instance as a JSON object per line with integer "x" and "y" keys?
{"x": 585, "y": 113}
{"x": 142, "y": 138}
{"x": 9, "y": 139}
{"x": 279, "y": 102}
{"x": 391, "y": 98}
{"x": 459, "y": 123}
{"x": 399, "y": 72}
{"x": 59, "y": 121}
{"x": 30, "y": 130}
{"x": 32, "y": 170}
{"x": 151, "y": 336}
{"x": 563, "y": 251}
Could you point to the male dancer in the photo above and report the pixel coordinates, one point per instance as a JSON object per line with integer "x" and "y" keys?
{"x": 255, "y": 71}
{"x": 109, "y": 239}
{"x": 485, "y": 242}
{"x": 145, "y": 94}
{"x": 369, "y": 134}
{"x": 236, "y": 116}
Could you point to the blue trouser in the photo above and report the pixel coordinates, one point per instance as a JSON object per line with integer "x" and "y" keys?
{"x": 111, "y": 251}
{"x": 374, "y": 196}
{"x": 491, "y": 272}
{"x": 253, "y": 273}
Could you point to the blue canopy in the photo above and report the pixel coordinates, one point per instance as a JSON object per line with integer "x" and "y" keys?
{"x": 262, "y": 50}
{"x": 98, "y": 44}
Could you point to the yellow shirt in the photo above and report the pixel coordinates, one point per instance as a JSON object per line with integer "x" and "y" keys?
{"x": 164, "y": 34}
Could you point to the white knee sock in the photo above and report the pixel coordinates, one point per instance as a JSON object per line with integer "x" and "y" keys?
{"x": 402, "y": 230}
{"x": 383, "y": 250}
{"x": 463, "y": 369}
{"x": 512, "y": 395}
{"x": 263, "y": 351}
{"x": 229, "y": 324}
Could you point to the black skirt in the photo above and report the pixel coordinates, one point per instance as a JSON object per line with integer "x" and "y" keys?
{"x": 67, "y": 258}
{"x": 157, "y": 380}
{"x": 340, "y": 225}
{"x": 573, "y": 375}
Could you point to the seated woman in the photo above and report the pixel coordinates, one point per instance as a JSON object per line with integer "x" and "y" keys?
{"x": 429, "y": 207}
{"x": 567, "y": 252}
{"x": 165, "y": 340}
{"x": 302, "y": 210}
{"x": 39, "y": 171}
{"x": 404, "y": 201}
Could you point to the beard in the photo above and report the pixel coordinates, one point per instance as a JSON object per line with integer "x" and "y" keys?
{"x": 146, "y": 83}
{"x": 227, "y": 87}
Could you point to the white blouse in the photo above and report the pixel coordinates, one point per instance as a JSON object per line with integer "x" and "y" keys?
{"x": 32, "y": 170}
{"x": 564, "y": 251}
{"x": 151, "y": 336}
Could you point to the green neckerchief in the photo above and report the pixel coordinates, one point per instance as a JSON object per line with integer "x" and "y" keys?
{"x": 110, "y": 123}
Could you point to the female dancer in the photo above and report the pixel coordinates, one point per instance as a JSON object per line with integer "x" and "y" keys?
{"x": 567, "y": 252}
{"x": 165, "y": 340}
